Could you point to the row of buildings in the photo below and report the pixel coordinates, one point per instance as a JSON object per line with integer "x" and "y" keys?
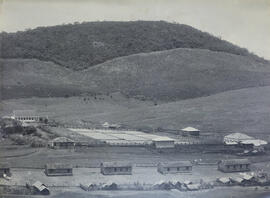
{"x": 125, "y": 168}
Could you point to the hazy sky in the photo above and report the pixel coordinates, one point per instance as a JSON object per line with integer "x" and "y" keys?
{"x": 243, "y": 22}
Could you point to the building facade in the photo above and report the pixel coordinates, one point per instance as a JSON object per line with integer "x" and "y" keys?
{"x": 234, "y": 165}
{"x": 163, "y": 143}
{"x": 58, "y": 169}
{"x": 116, "y": 168}
{"x": 62, "y": 143}
{"x": 174, "y": 167}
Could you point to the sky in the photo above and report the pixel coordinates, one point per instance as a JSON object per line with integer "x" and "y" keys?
{"x": 242, "y": 22}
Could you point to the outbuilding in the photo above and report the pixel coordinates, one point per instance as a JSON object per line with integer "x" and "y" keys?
{"x": 163, "y": 142}
{"x": 174, "y": 167}
{"x": 234, "y": 165}
{"x": 26, "y": 115}
{"x": 116, "y": 168}
{"x": 5, "y": 170}
{"x": 40, "y": 188}
{"x": 58, "y": 169}
{"x": 62, "y": 143}
{"x": 190, "y": 131}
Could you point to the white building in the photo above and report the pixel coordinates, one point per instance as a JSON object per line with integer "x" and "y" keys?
{"x": 190, "y": 131}
{"x": 240, "y": 138}
{"x": 25, "y": 116}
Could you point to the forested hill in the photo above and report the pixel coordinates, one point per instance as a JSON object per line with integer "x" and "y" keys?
{"x": 79, "y": 46}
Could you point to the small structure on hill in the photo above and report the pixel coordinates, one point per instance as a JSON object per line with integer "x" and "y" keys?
{"x": 175, "y": 167}
{"x": 111, "y": 126}
{"x": 28, "y": 116}
{"x": 234, "y": 165}
{"x": 62, "y": 143}
{"x": 163, "y": 142}
{"x": 116, "y": 168}
{"x": 40, "y": 188}
{"x": 5, "y": 170}
{"x": 190, "y": 131}
{"x": 58, "y": 169}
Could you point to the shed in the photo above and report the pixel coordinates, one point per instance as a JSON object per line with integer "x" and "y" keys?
{"x": 163, "y": 142}
{"x": 116, "y": 168}
{"x": 234, "y": 165}
{"x": 174, "y": 167}
{"x": 41, "y": 188}
{"x": 5, "y": 170}
{"x": 190, "y": 131}
{"x": 62, "y": 143}
{"x": 58, "y": 169}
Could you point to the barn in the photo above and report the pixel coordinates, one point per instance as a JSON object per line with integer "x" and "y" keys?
{"x": 174, "y": 167}
{"x": 116, "y": 168}
{"x": 62, "y": 143}
{"x": 163, "y": 142}
{"x": 26, "y": 115}
{"x": 5, "y": 170}
{"x": 234, "y": 165}
{"x": 58, "y": 169}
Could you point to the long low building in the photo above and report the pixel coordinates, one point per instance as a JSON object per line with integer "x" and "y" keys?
{"x": 116, "y": 168}
{"x": 174, "y": 167}
{"x": 234, "y": 165}
{"x": 243, "y": 139}
{"x": 58, "y": 169}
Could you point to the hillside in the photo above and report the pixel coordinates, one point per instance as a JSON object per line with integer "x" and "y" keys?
{"x": 29, "y": 77}
{"x": 80, "y": 46}
{"x": 244, "y": 110}
{"x": 168, "y": 75}
{"x": 176, "y": 74}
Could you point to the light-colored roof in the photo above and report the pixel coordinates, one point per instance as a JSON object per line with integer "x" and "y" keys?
{"x": 189, "y": 129}
{"x": 234, "y": 161}
{"x": 162, "y": 138}
{"x": 24, "y": 113}
{"x": 39, "y": 186}
{"x": 116, "y": 164}
{"x": 238, "y": 136}
{"x": 224, "y": 180}
{"x": 236, "y": 179}
{"x": 58, "y": 166}
{"x": 176, "y": 164}
{"x": 255, "y": 142}
{"x": 62, "y": 139}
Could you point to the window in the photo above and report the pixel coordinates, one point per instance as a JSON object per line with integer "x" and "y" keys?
{"x": 234, "y": 166}
{"x": 178, "y": 169}
{"x": 187, "y": 168}
{"x": 241, "y": 166}
{"x": 115, "y": 169}
{"x": 228, "y": 166}
{"x": 168, "y": 169}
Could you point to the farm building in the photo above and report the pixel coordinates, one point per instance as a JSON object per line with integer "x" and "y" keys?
{"x": 234, "y": 165}
{"x": 40, "y": 188}
{"x": 58, "y": 169}
{"x": 116, "y": 168}
{"x": 190, "y": 131}
{"x": 5, "y": 170}
{"x": 163, "y": 142}
{"x": 243, "y": 139}
{"x": 175, "y": 167}
{"x": 62, "y": 143}
{"x": 26, "y": 115}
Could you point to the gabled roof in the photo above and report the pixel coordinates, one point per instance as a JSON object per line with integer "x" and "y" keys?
{"x": 234, "y": 161}
{"x": 58, "y": 166}
{"x": 116, "y": 164}
{"x": 175, "y": 164}
{"x": 190, "y": 129}
{"x": 40, "y": 186}
{"x": 255, "y": 142}
{"x": 24, "y": 113}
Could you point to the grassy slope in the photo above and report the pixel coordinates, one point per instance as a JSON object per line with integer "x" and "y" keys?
{"x": 245, "y": 110}
{"x": 167, "y": 75}
{"x": 30, "y": 77}
{"x": 83, "y": 45}
{"x": 177, "y": 74}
